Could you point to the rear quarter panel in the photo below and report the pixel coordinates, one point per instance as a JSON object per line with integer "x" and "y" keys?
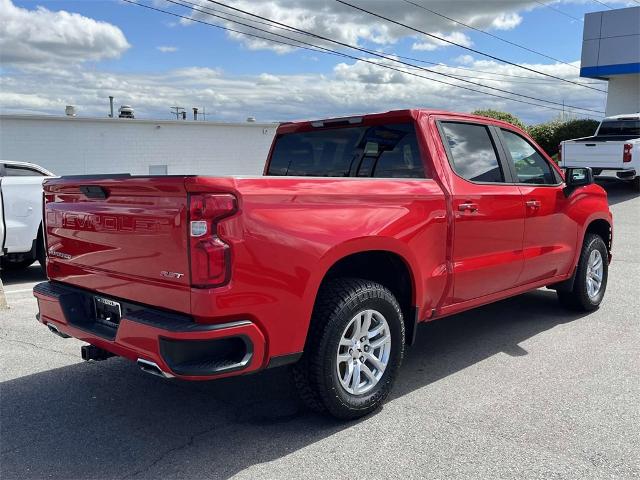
{"x": 290, "y": 231}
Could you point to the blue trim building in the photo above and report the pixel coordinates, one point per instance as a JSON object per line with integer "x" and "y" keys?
{"x": 611, "y": 51}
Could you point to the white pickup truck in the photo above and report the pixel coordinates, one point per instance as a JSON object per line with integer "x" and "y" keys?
{"x": 21, "y": 241}
{"x": 615, "y": 147}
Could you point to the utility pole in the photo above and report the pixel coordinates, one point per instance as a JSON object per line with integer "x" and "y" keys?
{"x": 178, "y": 112}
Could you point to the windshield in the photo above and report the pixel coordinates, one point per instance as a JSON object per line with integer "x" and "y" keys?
{"x": 626, "y": 128}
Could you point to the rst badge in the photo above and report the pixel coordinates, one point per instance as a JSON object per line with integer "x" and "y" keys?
{"x": 176, "y": 275}
{"x": 55, "y": 253}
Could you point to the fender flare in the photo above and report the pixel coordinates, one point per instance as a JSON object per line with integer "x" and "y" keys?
{"x": 369, "y": 244}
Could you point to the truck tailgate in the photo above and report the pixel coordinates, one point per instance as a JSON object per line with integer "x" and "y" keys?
{"x": 121, "y": 236}
{"x": 593, "y": 154}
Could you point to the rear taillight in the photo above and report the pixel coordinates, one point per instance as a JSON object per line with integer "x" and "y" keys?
{"x": 210, "y": 255}
{"x": 626, "y": 152}
{"x": 559, "y": 153}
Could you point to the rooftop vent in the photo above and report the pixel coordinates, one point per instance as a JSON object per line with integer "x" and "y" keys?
{"x": 126, "y": 111}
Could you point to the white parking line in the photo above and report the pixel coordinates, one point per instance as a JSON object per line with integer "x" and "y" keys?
{"x": 23, "y": 290}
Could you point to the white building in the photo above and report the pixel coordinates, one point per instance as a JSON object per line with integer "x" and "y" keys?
{"x": 611, "y": 51}
{"x": 75, "y": 145}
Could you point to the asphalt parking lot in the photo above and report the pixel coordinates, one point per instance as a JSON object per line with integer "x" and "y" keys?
{"x": 517, "y": 389}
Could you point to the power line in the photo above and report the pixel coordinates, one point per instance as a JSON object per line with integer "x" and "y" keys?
{"x": 602, "y": 3}
{"x": 489, "y": 34}
{"x": 289, "y": 29}
{"x": 439, "y": 64}
{"x": 493, "y": 57}
{"x": 134, "y": 2}
{"x": 558, "y": 10}
{"x": 364, "y": 60}
{"x": 538, "y": 79}
{"x": 503, "y": 80}
{"x": 393, "y": 59}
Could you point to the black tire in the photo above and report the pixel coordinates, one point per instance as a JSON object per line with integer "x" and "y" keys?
{"x": 41, "y": 252}
{"x": 578, "y": 298}
{"x": 315, "y": 375}
{"x": 635, "y": 183}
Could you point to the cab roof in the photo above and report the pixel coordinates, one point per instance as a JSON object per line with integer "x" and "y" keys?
{"x": 389, "y": 116}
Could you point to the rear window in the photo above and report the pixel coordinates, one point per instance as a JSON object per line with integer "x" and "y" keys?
{"x": 623, "y": 128}
{"x": 382, "y": 151}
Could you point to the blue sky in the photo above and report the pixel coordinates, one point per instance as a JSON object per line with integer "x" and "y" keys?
{"x": 112, "y": 47}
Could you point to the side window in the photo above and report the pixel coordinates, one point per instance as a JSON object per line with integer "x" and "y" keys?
{"x": 473, "y": 154}
{"x": 18, "y": 171}
{"x": 531, "y": 167}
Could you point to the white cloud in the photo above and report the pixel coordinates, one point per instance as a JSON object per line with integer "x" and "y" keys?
{"x": 268, "y": 79}
{"x": 464, "y": 59}
{"x": 35, "y": 82}
{"x": 355, "y": 87}
{"x": 343, "y": 23}
{"x": 507, "y": 21}
{"x": 433, "y": 44}
{"x": 167, "y": 49}
{"x": 42, "y": 36}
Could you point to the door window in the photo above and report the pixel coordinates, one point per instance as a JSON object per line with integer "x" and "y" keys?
{"x": 530, "y": 166}
{"x": 20, "y": 171}
{"x": 473, "y": 154}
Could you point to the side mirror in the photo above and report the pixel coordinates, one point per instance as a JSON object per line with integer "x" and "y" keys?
{"x": 577, "y": 177}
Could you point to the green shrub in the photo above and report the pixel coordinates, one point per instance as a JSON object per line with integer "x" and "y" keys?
{"x": 549, "y": 135}
{"x": 504, "y": 116}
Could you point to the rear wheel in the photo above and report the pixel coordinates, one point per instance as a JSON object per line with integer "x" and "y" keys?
{"x": 636, "y": 184}
{"x": 354, "y": 348}
{"x": 591, "y": 276}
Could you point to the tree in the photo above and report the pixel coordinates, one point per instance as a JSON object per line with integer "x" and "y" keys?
{"x": 549, "y": 135}
{"x": 504, "y": 116}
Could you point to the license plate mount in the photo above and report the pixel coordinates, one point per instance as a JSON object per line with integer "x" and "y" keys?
{"x": 108, "y": 311}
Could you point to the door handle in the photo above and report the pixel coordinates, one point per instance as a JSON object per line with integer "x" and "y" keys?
{"x": 472, "y": 207}
{"x": 534, "y": 204}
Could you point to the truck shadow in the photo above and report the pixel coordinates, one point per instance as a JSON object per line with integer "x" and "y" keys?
{"x": 31, "y": 274}
{"x": 108, "y": 420}
{"x": 618, "y": 191}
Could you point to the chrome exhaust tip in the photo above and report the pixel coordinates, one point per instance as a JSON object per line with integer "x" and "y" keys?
{"x": 53, "y": 329}
{"x": 152, "y": 368}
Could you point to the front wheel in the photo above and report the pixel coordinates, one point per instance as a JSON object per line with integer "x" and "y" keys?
{"x": 591, "y": 276}
{"x": 354, "y": 348}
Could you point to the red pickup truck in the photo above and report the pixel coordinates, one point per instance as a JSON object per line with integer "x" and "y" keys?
{"x": 359, "y": 229}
